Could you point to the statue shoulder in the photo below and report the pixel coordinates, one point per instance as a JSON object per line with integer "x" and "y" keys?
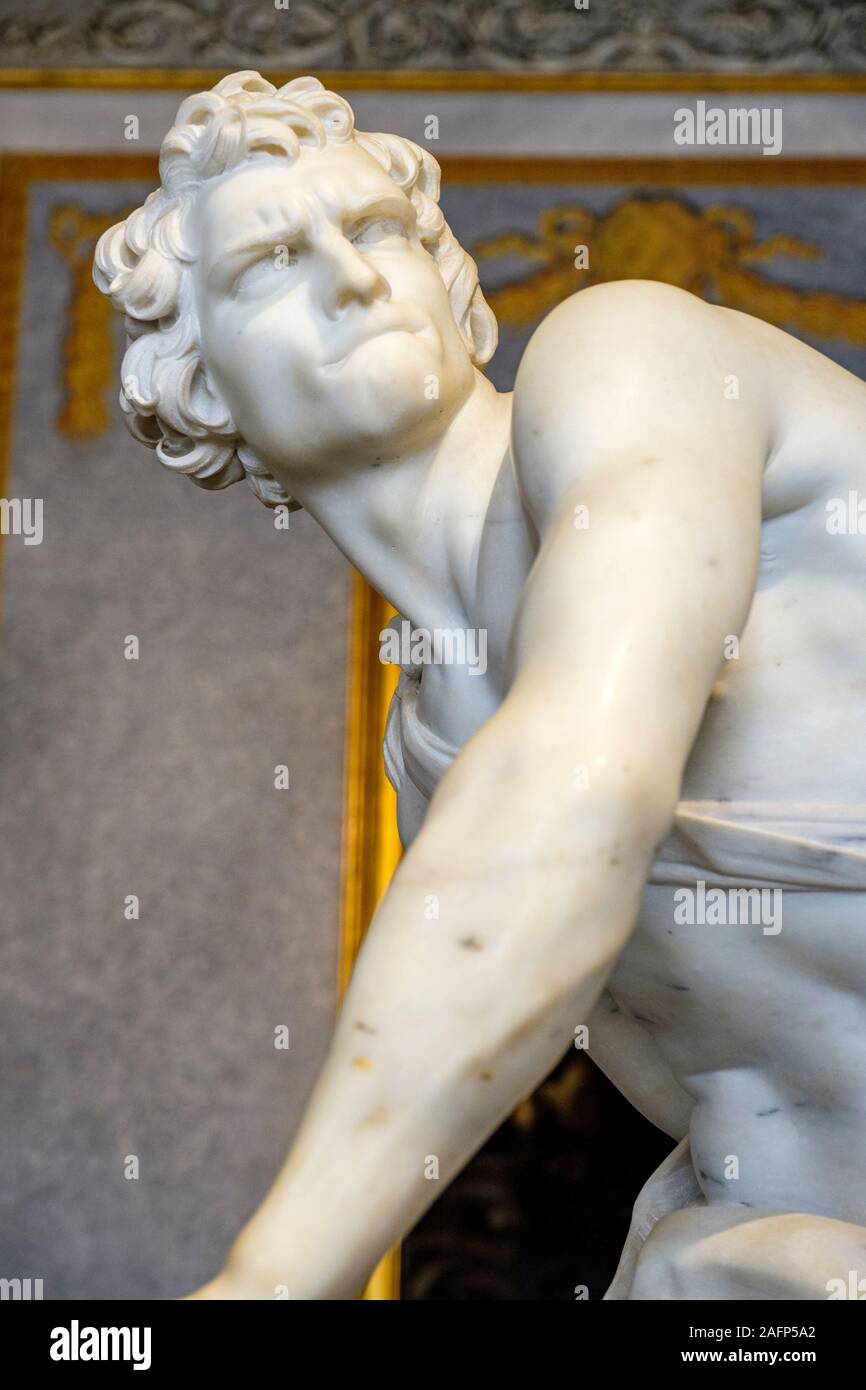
{"x": 610, "y": 331}
{"x": 620, "y": 370}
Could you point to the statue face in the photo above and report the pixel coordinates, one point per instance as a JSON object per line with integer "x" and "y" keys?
{"x": 323, "y": 319}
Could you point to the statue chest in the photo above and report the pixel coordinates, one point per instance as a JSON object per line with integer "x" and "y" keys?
{"x": 434, "y": 711}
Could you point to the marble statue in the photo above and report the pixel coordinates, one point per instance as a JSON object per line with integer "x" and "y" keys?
{"x": 642, "y": 826}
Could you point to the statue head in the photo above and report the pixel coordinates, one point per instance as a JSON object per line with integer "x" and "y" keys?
{"x": 293, "y": 296}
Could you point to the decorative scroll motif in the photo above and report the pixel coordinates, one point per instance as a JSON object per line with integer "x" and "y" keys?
{"x": 88, "y": 345}
{"x": 710, "y": 252}
{"x": 530, "y": 35}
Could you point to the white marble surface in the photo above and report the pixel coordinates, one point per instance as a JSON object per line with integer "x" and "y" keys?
{"x": 672, "y": 699}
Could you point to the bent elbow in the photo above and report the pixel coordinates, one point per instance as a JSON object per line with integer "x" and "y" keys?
{"x": 630, "y": 813}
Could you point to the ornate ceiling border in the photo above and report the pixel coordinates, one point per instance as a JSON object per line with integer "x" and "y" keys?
{"x": 437, "y": 80}
{"x": 500, "y": 36}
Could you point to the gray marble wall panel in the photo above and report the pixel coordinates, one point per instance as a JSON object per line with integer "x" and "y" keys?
{"x": 155, "y": 777}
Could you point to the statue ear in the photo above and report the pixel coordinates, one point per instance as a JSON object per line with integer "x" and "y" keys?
{"x": 205, "y": 404}
{"x": 483, "y": 329}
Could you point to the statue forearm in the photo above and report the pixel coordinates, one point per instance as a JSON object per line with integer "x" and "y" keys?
{"x": 468, "y": 990}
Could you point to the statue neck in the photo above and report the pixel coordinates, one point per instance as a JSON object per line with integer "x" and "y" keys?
{"x": 412, "y": 524}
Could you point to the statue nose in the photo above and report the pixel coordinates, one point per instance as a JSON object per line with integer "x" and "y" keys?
{"x": 349, "y": 277}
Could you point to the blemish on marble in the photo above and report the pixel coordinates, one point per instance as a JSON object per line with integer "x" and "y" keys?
{"x": 375, "y": 1117}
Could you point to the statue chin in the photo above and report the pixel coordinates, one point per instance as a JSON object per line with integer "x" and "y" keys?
{"x": 392, "y": 391}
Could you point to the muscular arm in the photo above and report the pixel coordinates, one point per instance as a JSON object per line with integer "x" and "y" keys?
{"x": 538, "y": 840}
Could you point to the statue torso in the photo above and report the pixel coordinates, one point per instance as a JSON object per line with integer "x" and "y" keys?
{"x": 730, "y": 1029}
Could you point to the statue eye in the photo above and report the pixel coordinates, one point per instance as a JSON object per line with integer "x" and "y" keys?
{"x": 264, "y": 274}
{"x": 379, "y": 229}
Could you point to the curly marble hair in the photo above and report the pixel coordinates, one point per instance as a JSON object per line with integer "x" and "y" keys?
{"x": 144, "y": 265}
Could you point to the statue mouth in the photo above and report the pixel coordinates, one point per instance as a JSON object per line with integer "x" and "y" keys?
{"x": 333, "y": 364}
